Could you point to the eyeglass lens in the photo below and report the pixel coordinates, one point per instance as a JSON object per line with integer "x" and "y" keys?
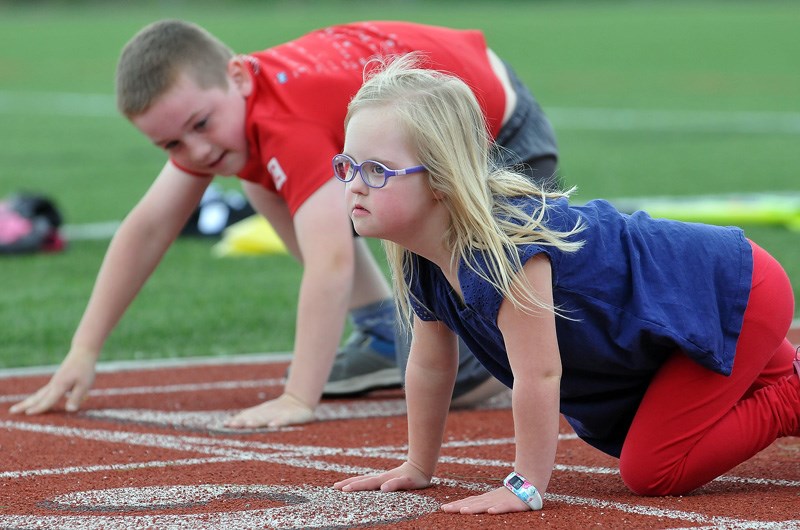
{"x": 343, "y": 168}
{"x": 373, "y": 173}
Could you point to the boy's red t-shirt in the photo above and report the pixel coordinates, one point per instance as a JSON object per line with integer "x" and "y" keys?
{"x": 295, "y": 115}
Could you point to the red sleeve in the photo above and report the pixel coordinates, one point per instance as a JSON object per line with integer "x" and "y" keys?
{"x": 298, "y": 161}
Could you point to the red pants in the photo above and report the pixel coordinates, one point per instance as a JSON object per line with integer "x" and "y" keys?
{"x": 693, "y": 425}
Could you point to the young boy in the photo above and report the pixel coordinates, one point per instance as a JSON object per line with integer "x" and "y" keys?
{"x": 274, "y": 119}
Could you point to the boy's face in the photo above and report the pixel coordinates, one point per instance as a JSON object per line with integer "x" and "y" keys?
{"x": 397, "y": 211}
{"x": 203, "y": 130}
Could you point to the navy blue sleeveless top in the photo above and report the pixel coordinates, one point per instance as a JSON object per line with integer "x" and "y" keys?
{"x": 638, "y": 290}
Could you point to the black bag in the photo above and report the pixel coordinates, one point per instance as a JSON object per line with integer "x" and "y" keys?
{"x": 218, "y": 210}
{"x": 29, "y": 223}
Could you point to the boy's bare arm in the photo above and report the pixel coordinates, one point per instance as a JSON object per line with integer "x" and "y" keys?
{"x": 325, "y": 240}
{"x": 324, "y": 236}
{"x": 135, "y": 251}
{"x": 274, "y": 209}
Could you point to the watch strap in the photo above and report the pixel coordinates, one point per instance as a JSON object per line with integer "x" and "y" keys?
{"x": 524, "y": 490}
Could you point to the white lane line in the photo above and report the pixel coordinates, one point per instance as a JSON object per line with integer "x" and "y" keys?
{"x": 214, "y": 420}
{"x": 689, "y": 121}
{"x": 300, "y": 506}
{"x": 652, "y": 511}
{"x": 299, "y": 455}
{"x": 750, "y": 525}
{"x": 90, "y": 231}
{"x": 58, "y": 103}
{"x": 160, "y": 364}
{"x": 563, "y": 118}
{"x": 114, "y": 467}
{"x": 169, "y": 389}
{"x": 303, "y": 457}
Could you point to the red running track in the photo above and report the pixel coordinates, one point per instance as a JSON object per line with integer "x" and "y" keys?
{"x": 149, "y": 450}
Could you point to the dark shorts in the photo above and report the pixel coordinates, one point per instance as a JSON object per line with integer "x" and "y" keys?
{"x": 527, "y": 139}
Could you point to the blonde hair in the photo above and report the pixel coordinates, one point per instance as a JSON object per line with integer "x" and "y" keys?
{"x": 448, "y": 132}
{"x": 152, "y": 60}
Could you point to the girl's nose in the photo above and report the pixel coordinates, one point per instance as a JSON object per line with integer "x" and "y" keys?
{"x": 357, "y": 185}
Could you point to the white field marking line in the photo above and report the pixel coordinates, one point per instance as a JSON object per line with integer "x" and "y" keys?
{"x": 241, "y": 450}
{"x": 168, "y": 389}
{"x": 58, "y": 103}
{"x": 606, "y": 119}
{"x": 234, "y": 449}
{"x": 182, "y": 362}
{"x": 499, "y": 441}
{"x": 196, "y": 444}
{"x": 90, "y": 231}
{"x": 652, "y": 511}
{"x": 575, "y": 118}
{"x": 160, "y": 364}
{"x": 748, "y": 525}
{"x": 387, "y": 449}
{"x": 387, "y": 452}
{"x": 115, "y": 467}
{"x": 302, "y": 507}
{"x": 399, "y": 453}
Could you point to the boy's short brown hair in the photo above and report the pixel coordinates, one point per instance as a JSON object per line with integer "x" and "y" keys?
{"x": 152, "y": 60}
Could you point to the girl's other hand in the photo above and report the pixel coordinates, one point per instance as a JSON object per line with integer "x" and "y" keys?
{"x": 405, "y": 477}
{"x": 494, "y": 502}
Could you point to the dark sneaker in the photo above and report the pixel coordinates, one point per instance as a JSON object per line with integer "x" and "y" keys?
{"x": 796, "y": 364}
{"x": 796, "y": 361}
{"x": 359, "y": 368}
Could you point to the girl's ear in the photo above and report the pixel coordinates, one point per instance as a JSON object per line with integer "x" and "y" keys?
{"x": 240, "y": 76}
{"x": 437, "y": 194}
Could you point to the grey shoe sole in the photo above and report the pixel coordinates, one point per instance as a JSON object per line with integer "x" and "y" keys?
{"x": 361, "y": 384}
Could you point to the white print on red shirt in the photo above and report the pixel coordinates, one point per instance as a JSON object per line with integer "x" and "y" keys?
{"x": 278, "y": 176}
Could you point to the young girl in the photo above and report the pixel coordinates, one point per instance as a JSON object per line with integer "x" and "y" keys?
{"x": 661, "y": 342}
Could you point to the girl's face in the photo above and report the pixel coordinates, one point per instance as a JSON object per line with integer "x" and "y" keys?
{"x": 397, "y": 211}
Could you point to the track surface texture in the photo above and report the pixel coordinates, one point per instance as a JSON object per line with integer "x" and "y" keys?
{"x": 149, "y": 450}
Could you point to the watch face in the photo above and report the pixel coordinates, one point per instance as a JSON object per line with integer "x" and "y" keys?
{"x": 516, "y": 482}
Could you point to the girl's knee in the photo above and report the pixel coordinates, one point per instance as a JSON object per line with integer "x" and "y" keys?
{"x": 643, "y": 476}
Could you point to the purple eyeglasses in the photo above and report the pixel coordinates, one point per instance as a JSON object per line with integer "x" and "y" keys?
{"x": 374, "y": 174}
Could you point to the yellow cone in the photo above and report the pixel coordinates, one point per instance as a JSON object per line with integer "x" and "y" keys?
{"x": 249, "y": 237}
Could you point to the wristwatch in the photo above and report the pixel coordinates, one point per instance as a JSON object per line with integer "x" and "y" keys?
{"x": 523, "y": 489}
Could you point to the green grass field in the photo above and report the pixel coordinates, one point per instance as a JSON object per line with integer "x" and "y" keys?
{"x": 704, "y": 65}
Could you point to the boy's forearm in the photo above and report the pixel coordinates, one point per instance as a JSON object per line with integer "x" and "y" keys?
{"x": 129, "y": 261}
{"x": 321, "y": 314}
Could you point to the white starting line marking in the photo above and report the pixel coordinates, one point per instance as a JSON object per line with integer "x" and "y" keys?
{"x": 114, "y": 467}
{"x": 716, "y": 522}
{"x": 303, "y": 507}
{"x": 306, "y": 514}
{"x": 168, "y": 389}
{"x": 214, "y": 420}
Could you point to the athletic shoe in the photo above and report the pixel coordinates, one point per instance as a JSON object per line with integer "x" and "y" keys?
{"x": 796, "y": 362}
{"x": 359, "y": 369}
{"x": 480, "y": 394}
